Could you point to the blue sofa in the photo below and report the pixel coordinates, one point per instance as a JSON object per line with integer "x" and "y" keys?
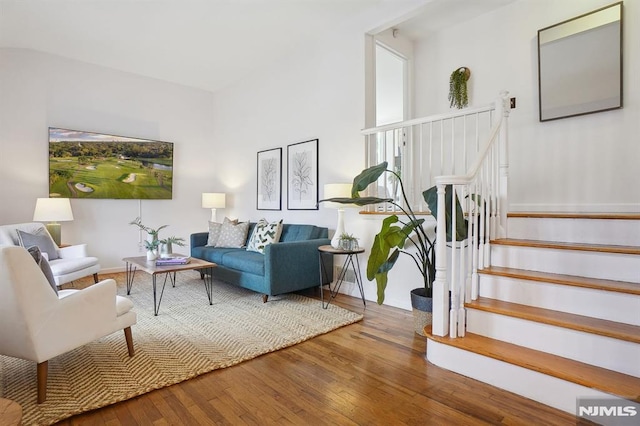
{"x": 290, "y": 265}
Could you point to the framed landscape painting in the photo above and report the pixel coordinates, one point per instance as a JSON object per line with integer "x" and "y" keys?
{"x": 270, "y": 179}
{"x": 96, "y": 165}
{"x": 302, "y": 175}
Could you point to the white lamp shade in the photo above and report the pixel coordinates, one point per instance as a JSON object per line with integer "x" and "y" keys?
{"x": 214, "y": 200}
{"x": 337, "y": 190}
{"x": 53, "y": 210}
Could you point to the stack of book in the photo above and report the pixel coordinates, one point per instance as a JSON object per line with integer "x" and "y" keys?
{"x": 169, "y": 261}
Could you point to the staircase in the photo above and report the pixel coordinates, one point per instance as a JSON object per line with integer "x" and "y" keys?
{"x": 558, "y": 312}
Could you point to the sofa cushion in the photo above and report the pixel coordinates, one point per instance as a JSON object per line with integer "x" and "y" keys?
{"x": 245, "y": 261}
{"x": 40, "y": 239}
{"x": 214, "y": 231}
{"x": 264, "y": 233}
{"x": 233, "y": 235}
{"x": 35, "y": 252}
{"x": 212, "y": 254}
{"x": 292, "y": 232}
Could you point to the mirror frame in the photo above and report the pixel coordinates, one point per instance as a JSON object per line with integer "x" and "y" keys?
{"x": 572, "y": 109}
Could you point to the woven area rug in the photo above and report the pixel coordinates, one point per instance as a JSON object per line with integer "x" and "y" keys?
{"x": 189, "y": 337}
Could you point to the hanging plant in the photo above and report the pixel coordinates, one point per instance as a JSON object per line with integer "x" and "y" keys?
{"x": 458, "y": 96}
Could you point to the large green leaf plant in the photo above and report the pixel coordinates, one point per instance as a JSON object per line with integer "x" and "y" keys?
{"x": 398, "y": 233}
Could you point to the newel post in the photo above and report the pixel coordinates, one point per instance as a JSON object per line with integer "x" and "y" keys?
{"x": 440, "y": 326}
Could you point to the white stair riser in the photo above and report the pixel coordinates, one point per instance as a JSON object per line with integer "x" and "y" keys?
{"x": 605, "y": 352}
{"x": 612, "y": 306}
{"x": 539, "y": 387}
{"x": 590, "y": 231}
{"x": 611, "y": 266}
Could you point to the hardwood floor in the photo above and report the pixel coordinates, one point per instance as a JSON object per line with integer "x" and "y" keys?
{"x": 373, "y": 372}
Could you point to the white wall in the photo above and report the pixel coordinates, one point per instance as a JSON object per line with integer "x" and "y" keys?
{"x": 39, "y": 90}
{"x": 318, "y": 93}
{"x": 587, "y": 163}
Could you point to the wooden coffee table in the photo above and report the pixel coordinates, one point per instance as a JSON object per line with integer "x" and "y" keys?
{"x": 149, "y": 266}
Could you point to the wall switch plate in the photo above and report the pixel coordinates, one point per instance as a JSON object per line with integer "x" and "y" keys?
{"x": 513, "y": 103}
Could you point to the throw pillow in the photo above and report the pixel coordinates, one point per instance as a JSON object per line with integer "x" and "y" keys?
{"x": 41, "y": 239}
{"x": 214, "y": 230}
{"x": 233, "y": 235}
{"x": 264, "y": 233}
{"x": 35, "y": 252}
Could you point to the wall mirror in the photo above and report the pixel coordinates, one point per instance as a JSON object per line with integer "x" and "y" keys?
{"x": 580, "y": 64}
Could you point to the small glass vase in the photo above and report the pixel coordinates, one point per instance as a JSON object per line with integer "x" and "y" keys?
{"x": 349, "y": 245}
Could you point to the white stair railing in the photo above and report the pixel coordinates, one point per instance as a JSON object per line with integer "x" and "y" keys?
{"x": 468, "y": 151}
{"x": 482, "y": 192}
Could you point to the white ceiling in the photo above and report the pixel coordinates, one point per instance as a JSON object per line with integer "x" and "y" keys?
{"x": 206, "y": 44}
{"x": 439, "y": 14}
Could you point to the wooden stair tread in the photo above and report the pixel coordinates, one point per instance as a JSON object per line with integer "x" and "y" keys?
{"x": 616, "y": 330}
{"x": 564, "y": 215}
{"x": 590, "y": 376}
{"x": 569, "y": 280}
{"x": 601, "y": 248}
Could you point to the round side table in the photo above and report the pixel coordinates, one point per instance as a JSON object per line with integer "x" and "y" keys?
{"x": 350, "y": 255}
{"x": 10, "y": 413}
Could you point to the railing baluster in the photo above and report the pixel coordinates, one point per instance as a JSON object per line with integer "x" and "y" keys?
{"x": 441, "y": 171}
{"x": 463, "y": 278}
{"x": 474, "y": 240}
{"x": 487, "y": 219}
{"x": 453, "y": 313}
{"x": 431, "y": 175}
{"x": 453, "y": 146}
{"x": 464, "y": 143}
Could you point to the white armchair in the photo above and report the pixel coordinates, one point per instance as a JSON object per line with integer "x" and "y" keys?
{"x": 72, "y": 263}
{"x": 37, "y": 325}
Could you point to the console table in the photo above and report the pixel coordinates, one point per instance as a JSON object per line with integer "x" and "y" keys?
{"x": 350, "y": 255}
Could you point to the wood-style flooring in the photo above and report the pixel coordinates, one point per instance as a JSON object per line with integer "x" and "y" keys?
{"x": 370, "y": 373}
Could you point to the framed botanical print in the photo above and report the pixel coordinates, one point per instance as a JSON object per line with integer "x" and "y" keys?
{"x": 302, "y": 175}
{"x": 269, "y": 179}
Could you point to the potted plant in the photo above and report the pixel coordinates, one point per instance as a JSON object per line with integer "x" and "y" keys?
{"x": 166, "y": 248}
{"x": 397, "y": 234}
{"x": 458, "y": 95}
{"x": 152, "y": 243}
{"x": 152, "y": 249}
{"x": 347, "y": 242}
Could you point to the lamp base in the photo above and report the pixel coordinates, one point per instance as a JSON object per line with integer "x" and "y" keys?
{"x": 335, "y": 241}
{"x": 55, "y": 229}
{"x": 213, "y": 215}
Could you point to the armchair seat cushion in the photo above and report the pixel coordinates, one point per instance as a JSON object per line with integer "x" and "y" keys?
{"x": 67, "y": 266}
{"x": 123, "y": 305}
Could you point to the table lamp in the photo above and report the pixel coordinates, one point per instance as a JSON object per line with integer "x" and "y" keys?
{"x": 337, "y": 190}
{"x": 213, "y": 201}
{"x": 53, "y": 210}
